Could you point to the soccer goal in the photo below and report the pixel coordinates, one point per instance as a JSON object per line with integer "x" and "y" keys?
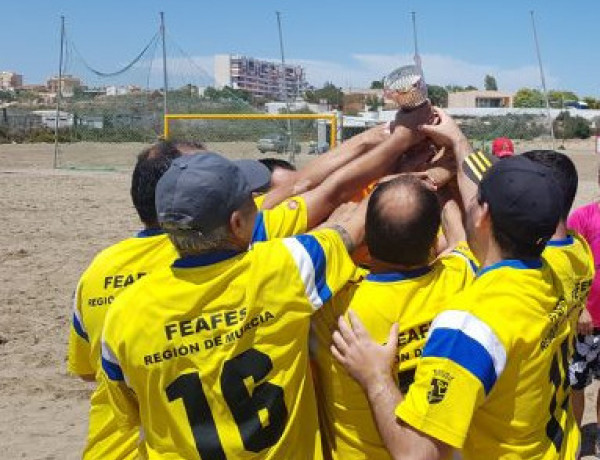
{"x": 256, "y": 135}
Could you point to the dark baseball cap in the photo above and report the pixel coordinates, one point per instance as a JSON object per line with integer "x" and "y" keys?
{"x": 201, "y": 191}
{"x": 524, "y": 199}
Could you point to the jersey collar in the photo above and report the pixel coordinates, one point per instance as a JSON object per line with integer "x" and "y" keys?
{"x": 390, "y": 277}
{"x": 204, "y": 259}
{"x": 563, "y": 242}
{"x": 519, "y": 264}
{"x": 149, "y": 232}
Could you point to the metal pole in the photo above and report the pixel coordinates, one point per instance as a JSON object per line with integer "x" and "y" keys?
{"x": 539, "y": 56}
{"x": 59, "y": 92}
{"x": 164, "y": 53}
{"x": 285, "y": 94}
{"x": 417, "y": 55}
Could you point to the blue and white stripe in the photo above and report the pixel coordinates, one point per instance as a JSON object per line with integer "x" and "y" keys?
{"x": 259, "y": 232}
{"x": 310, "y": 260}
{"x": 469, "y": 342}
{"x": 110, "y": 364}
{"x": 77, "y": 319}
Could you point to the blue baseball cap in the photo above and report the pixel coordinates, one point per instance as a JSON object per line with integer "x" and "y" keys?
{"x": 201, "y": 191}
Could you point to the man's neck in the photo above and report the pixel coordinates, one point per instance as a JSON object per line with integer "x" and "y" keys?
{"x": 379, "y": 266}
{"x": 561, "y": 231}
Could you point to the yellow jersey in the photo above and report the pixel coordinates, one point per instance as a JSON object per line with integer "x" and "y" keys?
{"x": 290, "y": 217}
{"x": 410, "y": 298}
{"x": 493, "y": 377}
{"x": 573, "y": 262}
{"x": 212, "y": 354}
{"x": 111, "y": 271}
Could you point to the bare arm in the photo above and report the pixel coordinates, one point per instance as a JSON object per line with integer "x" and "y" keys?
{"x": 370, "y": 365}
{"x": 349, "y": 221}
{"x": 452, "y": 223}
{"x": 447, "y": 134}
{"x": 313, "y": 174}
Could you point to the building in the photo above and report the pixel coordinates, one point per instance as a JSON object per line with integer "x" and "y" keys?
{"x": 266, "y": 79}
{"x": 69, "y": 85}
{"x": 480, "y": 99}
{"x": 9, "y": 81}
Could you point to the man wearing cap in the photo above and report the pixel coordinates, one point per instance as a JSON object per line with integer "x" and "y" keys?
{"x": 210, "y": 355}
{"x": 493, "y": 377}
{"x": 503, "y": 147}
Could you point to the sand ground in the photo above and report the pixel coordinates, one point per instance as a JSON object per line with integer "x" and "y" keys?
{"x": 55, "y": 220}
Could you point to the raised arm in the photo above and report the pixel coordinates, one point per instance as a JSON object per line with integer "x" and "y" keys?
{"x": 313, "y": 174}
{"x": 447, "y": 134}
{"x": 343, "y": 184}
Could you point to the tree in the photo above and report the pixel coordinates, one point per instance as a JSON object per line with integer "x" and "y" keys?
{"x": 592, "y": 103}
{"x": 558, "y": 98}
{"x": 329, "y": 92}
{"x": 458, "y": 88}
{"x": 373, "y": 103}
{"x": 569, "y": 127}
{"x": 438, "y": 95}
{"x": 377, "y": 84}
{"x": 490, "y": 83}
{"x": 527, "y": 97}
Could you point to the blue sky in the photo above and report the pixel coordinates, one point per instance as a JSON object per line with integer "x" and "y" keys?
{"x": 350, "y": 42}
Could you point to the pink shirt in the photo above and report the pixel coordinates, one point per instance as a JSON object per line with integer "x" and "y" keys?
{"x": 586, "y": 221}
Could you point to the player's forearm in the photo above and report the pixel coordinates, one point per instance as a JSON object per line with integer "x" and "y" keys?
{"x": 384, "y": 397}
{"x": 468, "y": 188}
{"x": 452, "y": 225}
{"x": 313, "y": 174}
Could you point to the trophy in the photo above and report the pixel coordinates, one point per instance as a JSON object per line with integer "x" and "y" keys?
{"x": 406, "y": 87}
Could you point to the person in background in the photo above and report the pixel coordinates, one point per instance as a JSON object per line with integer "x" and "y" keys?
{"x": 586, "y": 363}
{"x": 503, "y": 147}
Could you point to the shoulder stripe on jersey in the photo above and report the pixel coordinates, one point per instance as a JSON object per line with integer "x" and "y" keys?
{"x": 310, "y": 260}
{"x": 78, "y": 326}
{"x": 110, "y": 364}
{"x": 259, "y": 233}
{"x": 472, "y": 264}
{"x": 470, "y": 343}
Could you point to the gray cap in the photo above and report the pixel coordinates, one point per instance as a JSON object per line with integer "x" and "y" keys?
{"x": 201, "y": 191}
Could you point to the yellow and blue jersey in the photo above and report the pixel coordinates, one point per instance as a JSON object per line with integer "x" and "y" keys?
{"x": 211, "y": 355}
{"x": 411, "y": 298}
{"x": 288, "y": 218}
{"x": 493, "y": 377}
{"x": 110, "y": 273}
{"x": 573, "y": 263}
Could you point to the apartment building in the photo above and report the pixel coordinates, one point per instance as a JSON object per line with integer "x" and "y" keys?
{"x": 267, "y": 79}
{"x": 10, "y": 81}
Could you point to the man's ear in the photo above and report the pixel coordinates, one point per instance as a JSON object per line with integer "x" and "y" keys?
{"x": 483, "y": 218}
{"x": 236, "y": 224}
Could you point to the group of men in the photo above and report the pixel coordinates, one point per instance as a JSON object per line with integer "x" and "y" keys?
{"x": 399, "y": 297}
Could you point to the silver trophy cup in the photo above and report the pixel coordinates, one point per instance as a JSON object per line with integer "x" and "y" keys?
{"x": 406, "y": 87}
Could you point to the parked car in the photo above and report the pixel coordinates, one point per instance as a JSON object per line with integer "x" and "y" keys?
{"x": 317, "y": 147}
{"x": 276, "y": 143}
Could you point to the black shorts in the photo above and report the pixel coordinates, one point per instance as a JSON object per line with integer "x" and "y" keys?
{"x": 585, "y": 365}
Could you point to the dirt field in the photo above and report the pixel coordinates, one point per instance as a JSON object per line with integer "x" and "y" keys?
{"x": 54, "y": 222}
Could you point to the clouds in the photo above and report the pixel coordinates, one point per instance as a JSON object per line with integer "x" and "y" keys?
{"x": 361, "y": 69}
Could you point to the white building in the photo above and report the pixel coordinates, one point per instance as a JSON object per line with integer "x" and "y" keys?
{"x": 265, "y": 79}
{"x": 9, "y": 81}
{"x": 48, "y": 118}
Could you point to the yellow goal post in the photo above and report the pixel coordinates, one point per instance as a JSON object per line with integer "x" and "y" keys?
{"x": 331, "y": 117}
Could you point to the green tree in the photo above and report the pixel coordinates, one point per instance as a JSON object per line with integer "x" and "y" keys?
{"x": 377, "y": 84}
{"x": 527, "y": 97}
{"x": 490, "y": 83}
{"x": 569, "y": 127}
{"x": 373, "y": 103}
{"x": 329, "y": 92}
{"x": 558, "y": 98}
{"x": 438, "y": 95}
{"x": 592, "y": 103}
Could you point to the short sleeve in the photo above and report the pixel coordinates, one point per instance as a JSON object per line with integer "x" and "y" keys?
{"x": 286, "y": 219}
{"x": 323, "y": 264}
{"x": 79, "y": 349}
{"x": 463, "y": 252}
{"x": 461, "y": 362}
